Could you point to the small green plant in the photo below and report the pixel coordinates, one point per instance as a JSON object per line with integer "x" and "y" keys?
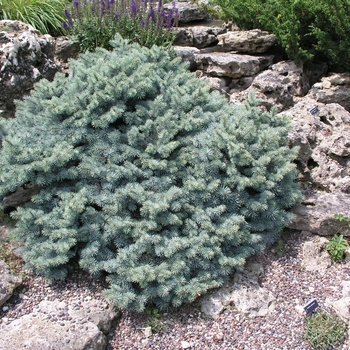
{"x": 280, "y": 248}
{"x": 154, "y": 320}
{"x": 341, "y": 217}
{"x": 6, "y": 219}
{"x": 44, "y": 15}
{"x": 324, "y": 331}
{"x": 94, "y": 23}
{"x": 336, "y": 247}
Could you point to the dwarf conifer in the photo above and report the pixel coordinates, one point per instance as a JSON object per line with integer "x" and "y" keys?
{"x": 146, "y": 176}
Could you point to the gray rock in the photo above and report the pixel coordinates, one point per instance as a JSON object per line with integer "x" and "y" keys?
{"x": 324, "y": 141}
{"x": 25, "y": 58}
{"x": 82, "y": 329}
{"x": 198, "y": 36}
{"x": 251, "y": 41}
{"x": 21, "y": 195}
{"x": 316, "y": 214}
{"x": 65, "y": 49}
{"x": 223, "y": 64}
{"x": 188, "y": 12}
{"x": 334, "y": 88}
{"x": 245, "y": 293}
{"x": 342, "y": 305}
{"x": 271, "y": 89}
{"x": 314, "y": 256}
{"x": 298, "y": 81}
{"x": 8, "y": 282}
{"x": 187, "y": 54}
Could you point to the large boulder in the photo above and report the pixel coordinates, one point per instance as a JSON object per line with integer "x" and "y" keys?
{"x": 8, "y": 282}
{"x": 251, "y": 41}
{"x": 61, "y": 325}
{"x": 335, "y": 88}
{"x": 26, "y": 56}
{"x": 323, "y": 134}
{"x": 222, "y": 64}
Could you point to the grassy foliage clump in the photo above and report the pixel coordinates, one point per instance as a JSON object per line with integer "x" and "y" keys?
{"x": 44, "y": 15}
{"x": 324, "y": 331}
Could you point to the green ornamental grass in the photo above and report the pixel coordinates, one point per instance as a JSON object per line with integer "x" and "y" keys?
{"x": 324, "y": 331}
{"x": 44, "y": 15}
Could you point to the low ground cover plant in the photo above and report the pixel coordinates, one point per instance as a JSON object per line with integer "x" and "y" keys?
{"x": 44, "y": 15}
{"x": 306, "y": 29}
{"x": 324, "y": 331}
{"x": 336, "y": 247}
{"x": 93, "y": 23}
{"x": 146, "y": 176}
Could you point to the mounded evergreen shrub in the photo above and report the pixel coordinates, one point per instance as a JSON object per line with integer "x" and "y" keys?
{"x": 145, "y": 176}
{"x": 306, "y": 29}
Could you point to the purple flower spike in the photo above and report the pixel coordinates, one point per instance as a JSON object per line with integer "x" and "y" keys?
{"x": 65, "y": 25}
{"x": 67, "y": 13}
{"x": 76, "y": 3}
{"x": 174, "y": 4}
{"x": 117, "y": 15}
{"x": 142, "y": 22}
{"x": 160, "y": 3}
{"x": 169, "y": 18}
{"x": 133, "y": 8}
{"x": 151, "y": 14}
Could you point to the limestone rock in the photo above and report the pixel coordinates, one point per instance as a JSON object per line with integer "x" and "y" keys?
{"x": 314, "y": 256}
{"x": 46, "y": 329}
{"x": 334, "y": 88}
{"x": 251, "y": 41}
{"x": 271, "y": 89}
{"x": 316, "y": 214}
{"x": 245, "y": 293}
{"x": 297, "y": 80}
{"x": 21, "y": 195}
{"x": 198, "y": 36}
{"x": 25, "y": 58}
{"x": 223, "y": 64}
{"x": 8, "y": 282}
{"x": 342, "y": 306}
{"x": 65, "y": 49}
{"x": 188, "y": 12}
{"x": 324, "y": 141}
{"x": 187, "y": 54}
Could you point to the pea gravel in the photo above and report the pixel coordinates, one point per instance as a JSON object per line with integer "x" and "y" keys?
{"x": 187, "y": 328}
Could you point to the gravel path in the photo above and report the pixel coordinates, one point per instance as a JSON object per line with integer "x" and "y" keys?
{"x": 186, "y": 328}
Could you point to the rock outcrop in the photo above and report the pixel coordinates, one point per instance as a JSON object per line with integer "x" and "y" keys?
{"x": 26, "y": 56}
{"x": 316, "y": 214}
{"x": 61, "y": 325}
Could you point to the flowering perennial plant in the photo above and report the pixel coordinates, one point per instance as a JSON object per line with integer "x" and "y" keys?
{"x": 93, "y": 23}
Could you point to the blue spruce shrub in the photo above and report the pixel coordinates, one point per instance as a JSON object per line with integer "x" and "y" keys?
{"x": 145, "y": 176}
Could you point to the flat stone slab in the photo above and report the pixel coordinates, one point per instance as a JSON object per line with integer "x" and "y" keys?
{"x": 225, "y": 64}
{"x": 316, "y": 214}
{"x": 247, "y": 41}
{"x": 61, "y": 325}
